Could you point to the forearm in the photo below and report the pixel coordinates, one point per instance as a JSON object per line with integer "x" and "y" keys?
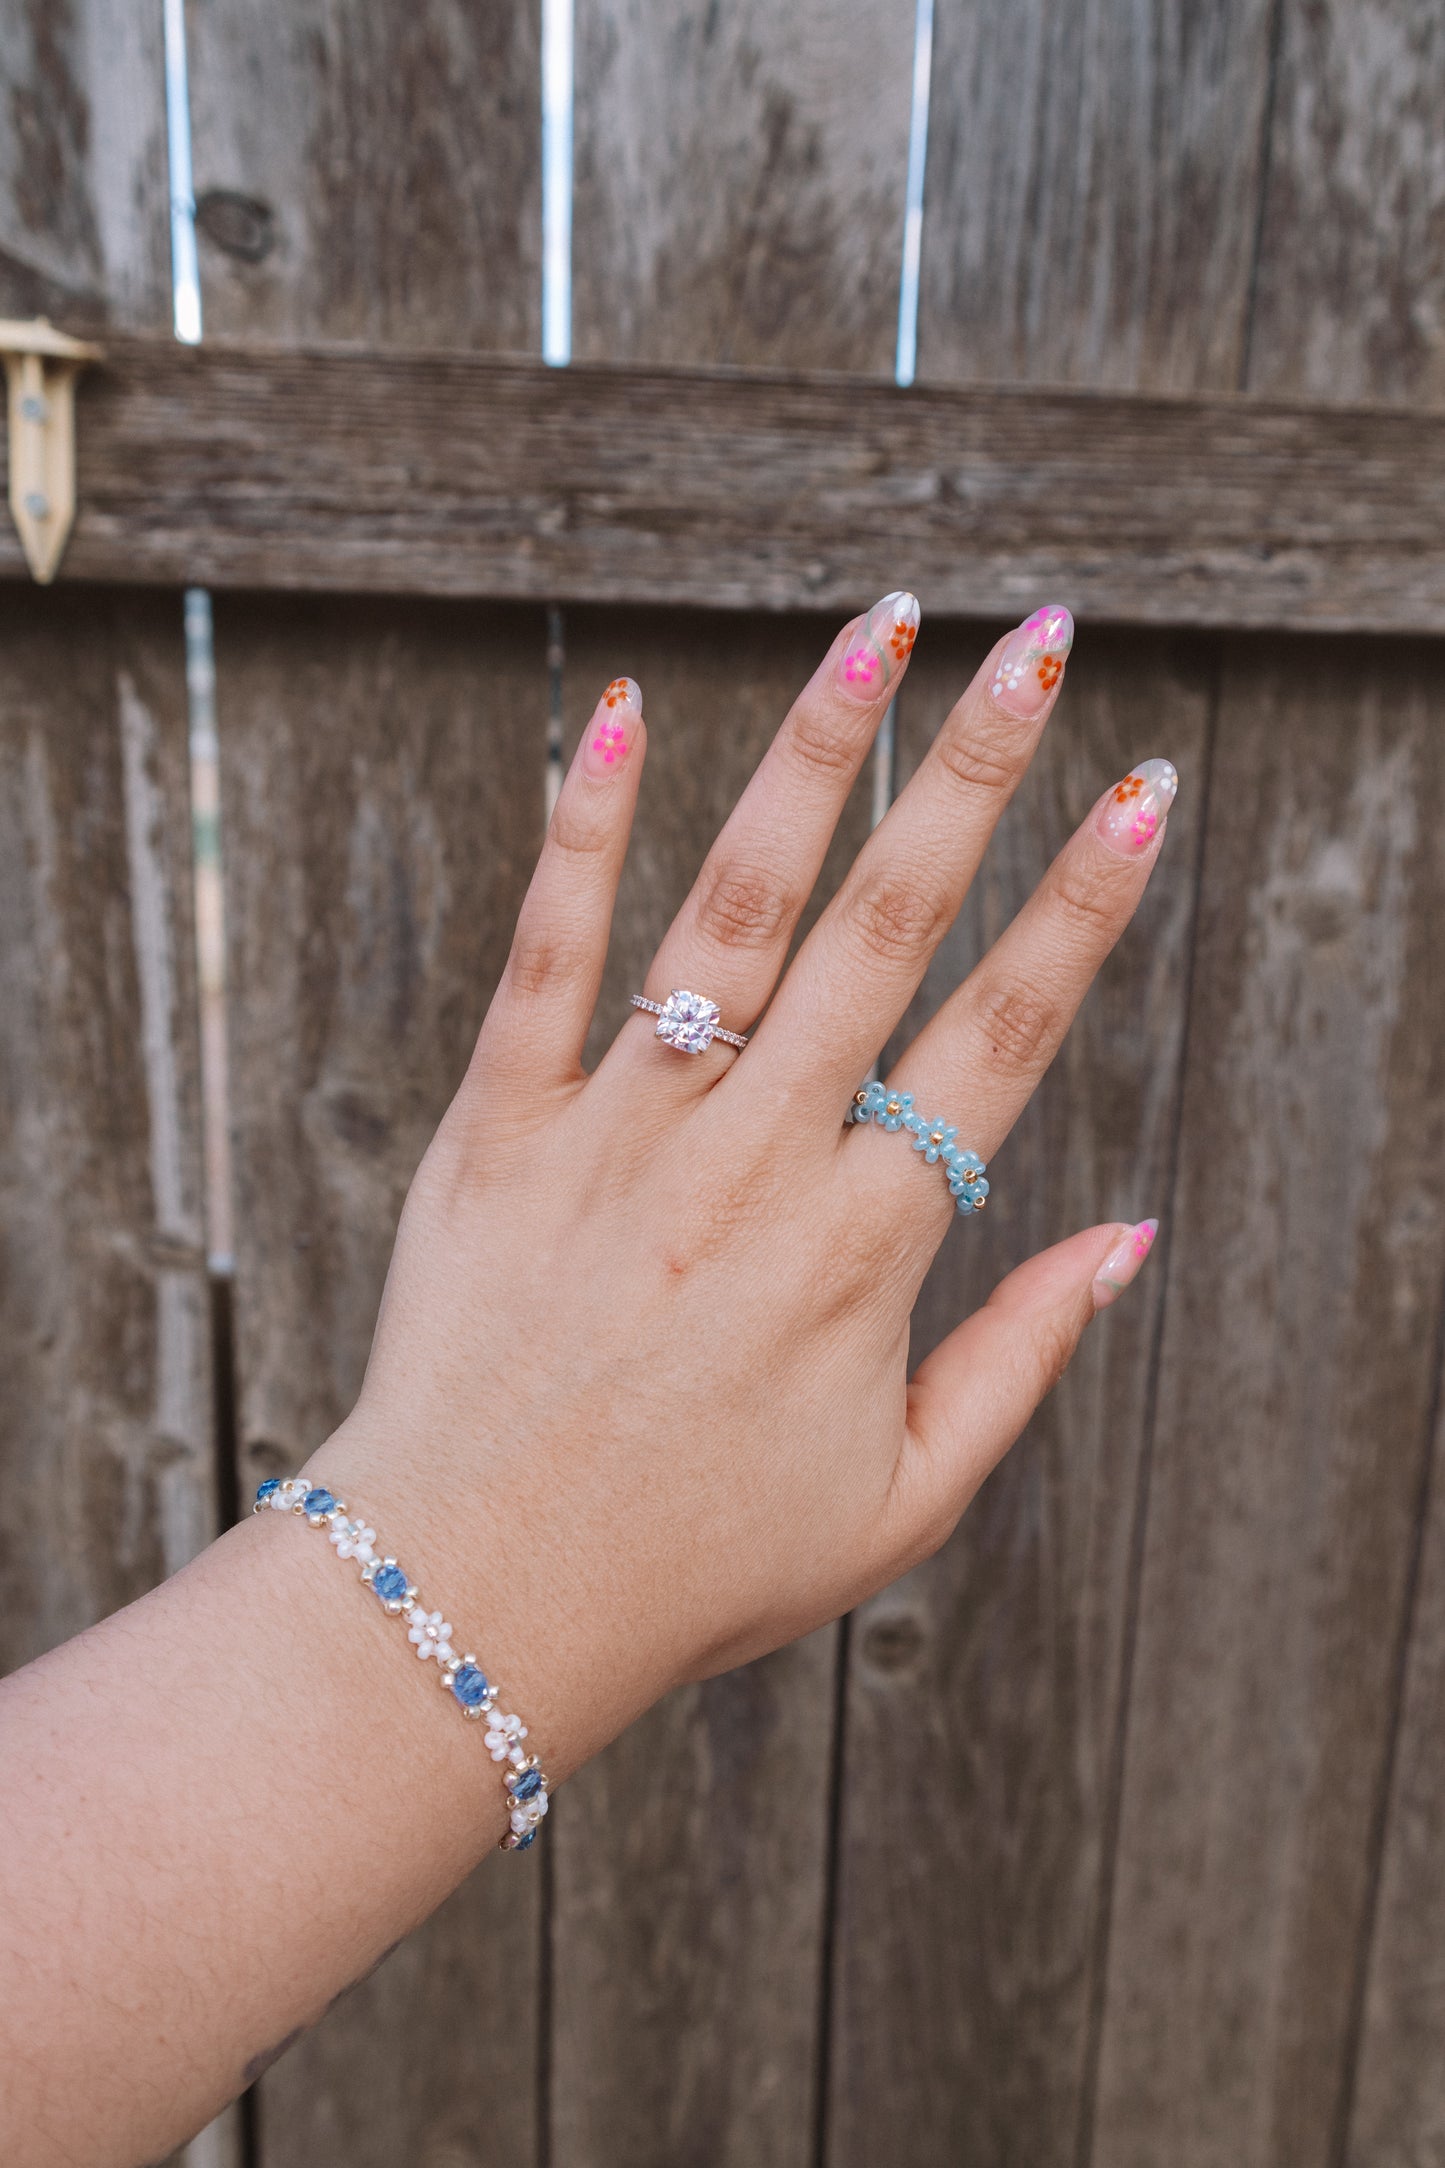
{"x": 218, "y": 1809}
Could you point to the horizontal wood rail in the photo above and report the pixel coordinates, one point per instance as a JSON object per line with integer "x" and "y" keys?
{"x": 358, "y": 470}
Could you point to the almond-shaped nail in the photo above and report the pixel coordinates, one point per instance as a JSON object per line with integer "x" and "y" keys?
{"x": 880, "y": 646}
{"x": 1032, "y": 662}
{"x": 1136, "y": 809}
{"x": 612, "y": 731}
{"x": 1122, "y": 1264}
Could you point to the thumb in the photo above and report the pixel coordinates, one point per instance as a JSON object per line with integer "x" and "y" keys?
{"x": 968, "y": 1402}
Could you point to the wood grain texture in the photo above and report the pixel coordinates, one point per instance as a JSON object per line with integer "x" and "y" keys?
{"x": 106, "y": 1478}
{"x": 369, "y": 172}
{"x": 1090, "y": 198}
{"x": 1298, "y": 1365}
{"x": 382, "y": 799}
{"x": 1396, "y": 2104}
{"x": 966, "y": 1935}
{"x": 739, "y": 186}
{"x": 1351, "y": 285}
{"x": 84, "y": 197}
{"x": 446, "y": 474}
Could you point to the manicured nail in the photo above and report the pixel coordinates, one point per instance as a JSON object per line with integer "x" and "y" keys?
{"x": 880, "y": 646}
{"x": 1123, "y": 1262}
{"x": 1033, "y": 661}
{"x": 1136, "y": 809}
{"x": 613, "y": 728}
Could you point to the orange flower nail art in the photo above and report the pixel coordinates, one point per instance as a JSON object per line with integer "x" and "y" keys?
{"x": 880, "y": 646}
{"x": 1032, "y": 661}
{"x": 613, "y": 727}
{"x": 1136, "y": 809}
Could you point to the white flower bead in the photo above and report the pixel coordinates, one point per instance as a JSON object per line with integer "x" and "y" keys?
{"x": 429, "y": 1633}
{"x": 353, "y": 1539}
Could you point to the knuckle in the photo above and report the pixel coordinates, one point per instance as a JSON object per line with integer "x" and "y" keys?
{"x": 978, "y": 763}
{"x": 1086, "y": 901}
{"x": 572, "y": 837}
{"x": 1018, "y": 1026}
{"x": 897, "y": 920}
{"x": 1058, "y": 1339}
{"x": 539, "y": 964}
{"x": 744, "y": 907}
{"x": 822, "y": 742}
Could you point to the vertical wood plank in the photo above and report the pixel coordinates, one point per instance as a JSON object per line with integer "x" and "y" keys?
{"x": 731, "y": 205}
{"x": 1093, "y": 173}
{"x": 382, "y": 800}
{"x": 84, "y": 196}
{"x": 1298, "y": 1362}
{"x": 740, "y": 178}
{"x": 369, "y": 172}
{"x": 1350, "y": 300}
{"x": 1089, "y": 218}
{"x": 966, "y": 1929}
{"x": 1349, "y": 304}
{"x": 1276, "y": 1590}
{"x": 106, "y": 1479}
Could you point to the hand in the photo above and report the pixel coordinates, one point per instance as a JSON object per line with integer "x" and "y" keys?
{"x": 713, "y": 1446}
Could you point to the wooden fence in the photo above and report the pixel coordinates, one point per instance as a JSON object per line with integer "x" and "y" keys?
{"x": 1108, "y": 1838}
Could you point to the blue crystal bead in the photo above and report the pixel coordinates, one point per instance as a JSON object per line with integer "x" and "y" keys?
{"x": 319, "y": 1501}
{"x": 522, "y": 1842}
{"x": 268, "y": 1489}
{"x": 528, "y": 1784}
{"x": 389, "y": 1582}
{"x": 470, "y": 1686}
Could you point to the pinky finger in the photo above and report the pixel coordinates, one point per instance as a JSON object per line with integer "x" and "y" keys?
{"x": 968, "y": 1402}
{"x": 542, "y": 1008}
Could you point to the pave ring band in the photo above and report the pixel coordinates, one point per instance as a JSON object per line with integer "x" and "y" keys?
{"x": 688, "y": 1021}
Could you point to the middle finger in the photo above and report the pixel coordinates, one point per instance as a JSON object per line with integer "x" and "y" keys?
{"x": 862, "y": 963}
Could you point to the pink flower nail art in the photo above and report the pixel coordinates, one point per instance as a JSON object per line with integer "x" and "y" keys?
{"x": 1136, "y": 809}
{"x": 1032, "y": 662}
{"x": 881, "y": 645}
{"x": 613, "y": 727}
{"x": 1123, "y": 1263}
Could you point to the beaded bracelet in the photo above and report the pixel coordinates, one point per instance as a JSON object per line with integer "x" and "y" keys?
{"x": 525, "y": 1785}
{"x": 894, "y": 1110}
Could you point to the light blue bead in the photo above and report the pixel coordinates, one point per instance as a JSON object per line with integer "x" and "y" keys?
{"x": 389, "y": 1583}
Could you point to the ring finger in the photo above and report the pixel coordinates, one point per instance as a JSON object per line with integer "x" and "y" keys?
{"x": 731, "y": 937}
{"x": 978, "y": 1061}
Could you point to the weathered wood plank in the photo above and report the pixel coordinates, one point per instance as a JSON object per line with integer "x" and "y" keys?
{"x": 1350, "y": 300}
{"x": 1297, "y": 1367}
{"x": 740, "y": 181}
{"x": 689, "y": 1914}
{"x": 1090, "y": 198}
{"x": 729, "y": 208}
{"x": 382, "y": 798}
{"x": 966, "y": 1931}
{"x": 452, "y": 475}
{"x": 106, "y": 1479}
{"x": 84, "y": 197}
{"x": 368, "y": 172}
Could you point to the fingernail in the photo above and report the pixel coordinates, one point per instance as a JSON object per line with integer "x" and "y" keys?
{"x": 1135, "y": 810}
{"x": 880, "y": 646}
{"x": 1033, "y": 661}
{"x": 1122, "y": 1264}
{"x": 613, "y": 728}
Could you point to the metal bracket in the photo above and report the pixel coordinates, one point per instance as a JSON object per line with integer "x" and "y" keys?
{"x": 41, "y": 366}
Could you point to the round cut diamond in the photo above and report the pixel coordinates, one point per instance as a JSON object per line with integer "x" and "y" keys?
{"x": 688, "y": 1021}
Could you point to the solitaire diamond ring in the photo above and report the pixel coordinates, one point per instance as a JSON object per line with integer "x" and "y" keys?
{"x": 688, "y": 1021}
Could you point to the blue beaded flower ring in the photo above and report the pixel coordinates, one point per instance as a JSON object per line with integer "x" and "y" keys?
{"x": 937, "y": 1141}
{"x": 429, "y": 1634}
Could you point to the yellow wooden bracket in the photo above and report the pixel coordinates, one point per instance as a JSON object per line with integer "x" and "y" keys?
{"x": 41, "y": 366}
